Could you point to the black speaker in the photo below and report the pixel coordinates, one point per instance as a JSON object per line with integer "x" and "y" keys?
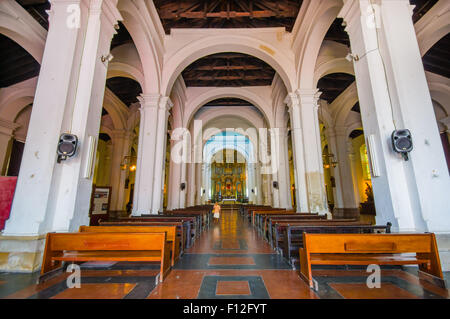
{"x": 402, "y": 142}
{"x": 275, "y": 185}
{"x": 182, "y": 186}
{"x": 67, "y": 146}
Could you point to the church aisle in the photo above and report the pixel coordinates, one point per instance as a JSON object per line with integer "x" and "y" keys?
{"x": 231, "y": 261}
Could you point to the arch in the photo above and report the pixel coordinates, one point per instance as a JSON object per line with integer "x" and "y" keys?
{"x": 319, "y": 16}
{"x": 332, "y": 59}
{"x": 19, "y": 26}
{"x": 248, "y": 154}
{"x": 208, "y": 45}
{"x": 433, "y": 26}
{"x": 342, "y": 105}
{"x": 439, "y": 89}
{"x": 210, "y": 94}
{"x": 116, "y": 109}
{"x": 249, "y": 115}
{"x": 144, "y": 42}
{"x": 126, "y": 63}
{"x": 15, "y": 98}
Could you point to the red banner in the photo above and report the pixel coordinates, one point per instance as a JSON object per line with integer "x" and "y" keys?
{"x": 7, "y": 188}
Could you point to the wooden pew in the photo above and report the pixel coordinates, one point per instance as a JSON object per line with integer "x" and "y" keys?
{"x": 260, "y": 217}
{"x": 77, "y": 247}
{"x": 266, "y": 211}
{"x": 190, "y": 223}
{"x": 171, "y": 232}
{"x": 293, "y": 235}
{"x": 247, "y": 211}
{"x": 366, "y": 249}
{"x": 265, "y": 220}
{"x": 181, "y": 229}
{"x": 278, "y": 226}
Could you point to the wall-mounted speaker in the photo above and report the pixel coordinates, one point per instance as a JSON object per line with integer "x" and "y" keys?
{"x": 67, "y": 146}
{"x": 402, "y": 142}
{"x": 182, "y": 186}
{"x": 275, "y": 185}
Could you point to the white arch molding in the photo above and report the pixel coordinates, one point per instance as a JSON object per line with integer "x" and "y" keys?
{"x": 240, "y": 43}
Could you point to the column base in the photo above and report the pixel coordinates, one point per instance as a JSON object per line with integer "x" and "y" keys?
{"x": 346, "y": 213}
{"x": 21, "y": 254}
{"x": 443, "y": 243}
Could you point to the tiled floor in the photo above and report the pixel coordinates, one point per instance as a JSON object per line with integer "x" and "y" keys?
{"x": 231, "y": 261}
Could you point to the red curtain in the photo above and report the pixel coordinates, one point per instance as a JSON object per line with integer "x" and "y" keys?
{"x": 7, "y": 188}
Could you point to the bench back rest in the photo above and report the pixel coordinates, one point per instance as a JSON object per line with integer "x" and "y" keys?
{"x": 313, "y": 222}
{"x": 368, "y": 243}
{"x": 139, "y": 223}
{"x": 106, "y": 241}
{"x": 170, "y": 230}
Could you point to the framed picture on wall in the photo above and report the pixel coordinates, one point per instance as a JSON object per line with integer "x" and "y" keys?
{"x": 101, "y": 198}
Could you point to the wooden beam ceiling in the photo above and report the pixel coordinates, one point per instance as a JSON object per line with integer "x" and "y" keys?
{"x": 16, "y": 64}
{"x": 228, "y": 102}
{"x": 437, "y": 59}
{"x": 227, "y": 13}
{"x": 228, "y": 69}
{"x": 333, "y": 85}
{"x": 127, "y": 90}
{"x": 37, "y": 8}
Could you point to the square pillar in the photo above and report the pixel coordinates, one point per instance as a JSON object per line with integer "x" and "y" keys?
{"x": 394, "y": 94}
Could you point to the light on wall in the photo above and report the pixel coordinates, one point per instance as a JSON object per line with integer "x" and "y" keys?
{"x": 331, "y": 161}
{"x": 128, "y": 163}
{"x": 108, "y": 58}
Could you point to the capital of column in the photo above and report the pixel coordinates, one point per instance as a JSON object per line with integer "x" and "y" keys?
{"x": 8, "y": 127}
{"x": 292, "y": 100}
{"x": 350, "y": 150}
{"x": 123, "y": 134}
{"x": 341, "y": 131}
{"x": 309, "y": 96}
{"x": 446, "y": 122}
{"x": 149, "y": 100}
{"x": 165, "y": 103}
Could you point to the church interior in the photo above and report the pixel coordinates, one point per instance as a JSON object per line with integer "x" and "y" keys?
{"x": 224, "y": 149}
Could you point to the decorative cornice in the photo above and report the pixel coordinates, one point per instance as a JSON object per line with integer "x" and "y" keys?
{"x": 8, "y": 127}
{"x": 149, "y": 100}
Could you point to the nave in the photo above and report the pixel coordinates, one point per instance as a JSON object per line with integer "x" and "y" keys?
{"x": 229, "y": 259}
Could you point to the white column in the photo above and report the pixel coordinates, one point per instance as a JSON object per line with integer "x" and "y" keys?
{"x": 284, "y": 185}
{"x": 317, "y": 199}
{"x": 351, "y": 157}
{"x": 191, "y": 185}
{"x": 198, "y": 183}
{"x": 160, "y": 154}
{"x": 293, "y": 103}
{"x": 259, "y": 190}
{"x": 70, "y": 89}
{"x": 344, "y": 166}
{"x": 330, "y": 134}
{"x": 121, "y": 146}
{"x": 7, "y": 129}
{"x": 276, "y": 156}
{"x": 183, "y": 180}
{"x": 174, "y": 181}
{"x": 393, "y": 93}
{"x": 143, "y": 191}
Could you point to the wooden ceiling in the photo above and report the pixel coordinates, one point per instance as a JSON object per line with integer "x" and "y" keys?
{"x": 16, "y": 64}
{"x": 224, "y": 69}
{"x": 37, "y": 8}
{"x": 227, "y": 13}
{"x": 228, "y": 69}
{"x": 127, "y": 90}
{"x": 333, "y": 85}
{"x": 437, "y": 59}
{"x": 229, "y": 102}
